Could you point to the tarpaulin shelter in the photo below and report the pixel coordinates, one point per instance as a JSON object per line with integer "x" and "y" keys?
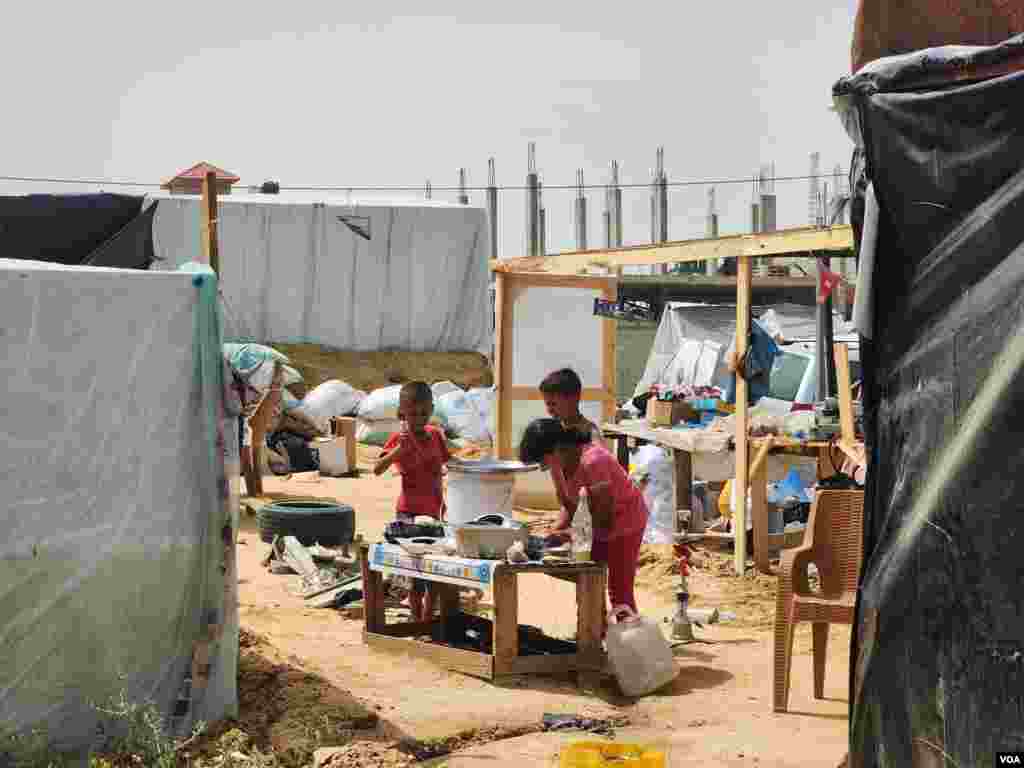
{"x": 692, "y": 340}
{"x": 349, "y": 275}
{"x": 119, "y": 509}
{"x": 98, "y": 230}
{"x": 937, "y": 665}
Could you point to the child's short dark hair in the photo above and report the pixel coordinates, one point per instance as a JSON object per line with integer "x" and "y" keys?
{"x": 417, "y": 391}
{"x": 542, "y": 436}
{"x": 562, "y": 382}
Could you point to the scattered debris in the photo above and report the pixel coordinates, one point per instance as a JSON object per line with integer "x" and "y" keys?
{"x": 599, "y": 726}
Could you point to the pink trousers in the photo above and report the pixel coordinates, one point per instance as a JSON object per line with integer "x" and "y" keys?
{"x": 621, "y": 554}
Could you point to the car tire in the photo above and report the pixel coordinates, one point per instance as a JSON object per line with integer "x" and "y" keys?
{"x": 311, "y": 522}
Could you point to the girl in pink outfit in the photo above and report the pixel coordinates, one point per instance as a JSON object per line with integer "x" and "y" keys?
{"x": 616, "y": 505}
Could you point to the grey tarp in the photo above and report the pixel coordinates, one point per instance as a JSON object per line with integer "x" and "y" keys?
{"x": 303, "y": 270}
{"x": 115, "y": 496}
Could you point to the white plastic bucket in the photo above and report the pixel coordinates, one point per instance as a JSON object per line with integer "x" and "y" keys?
{"x": 472, "y": 494}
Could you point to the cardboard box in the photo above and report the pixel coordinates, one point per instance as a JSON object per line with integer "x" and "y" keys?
{"x": 663, "y": 413}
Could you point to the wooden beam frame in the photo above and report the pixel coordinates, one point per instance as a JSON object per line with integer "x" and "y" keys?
{"x": 779, "y": 243}
{"x": 564, "y": 269}
{"x": 508, "y": 285}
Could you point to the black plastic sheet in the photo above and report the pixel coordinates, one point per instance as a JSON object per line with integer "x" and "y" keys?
{"x": 101, "y": 229}
{"x": 937, "y": 665}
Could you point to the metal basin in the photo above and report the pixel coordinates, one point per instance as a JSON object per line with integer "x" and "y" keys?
{"x": 490, "y": 466}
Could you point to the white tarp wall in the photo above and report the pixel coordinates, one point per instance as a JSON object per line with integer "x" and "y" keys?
{"x": 114, "y": 501}
{"x": 292, "y": 271}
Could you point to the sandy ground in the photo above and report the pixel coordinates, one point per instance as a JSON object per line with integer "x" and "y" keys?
{"x": 717, "y": 712}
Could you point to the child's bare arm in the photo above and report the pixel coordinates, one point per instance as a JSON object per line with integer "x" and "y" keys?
{"x": 385, "y": 461}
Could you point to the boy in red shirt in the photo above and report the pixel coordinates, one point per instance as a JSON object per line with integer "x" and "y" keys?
{"x": 419, "y": 452}
{"x": 562, "y": 390}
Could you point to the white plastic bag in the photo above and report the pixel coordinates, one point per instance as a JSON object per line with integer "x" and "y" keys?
{"x": 380, "y": 404}
{"x": 653, "y": 464}
{"x": 442, "y": 388}
{"x": 460, "y": 413}
{"x": 483, "y": 399}
{"x": 330, "y": 399}
{"x": 638, "y": 653}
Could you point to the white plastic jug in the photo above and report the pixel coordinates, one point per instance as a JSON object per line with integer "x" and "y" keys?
{"x": 638, "y": 653}
{"x": 582, "y": 530}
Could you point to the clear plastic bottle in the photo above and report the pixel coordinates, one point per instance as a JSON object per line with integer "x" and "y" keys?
{"x": 582, "y": 529}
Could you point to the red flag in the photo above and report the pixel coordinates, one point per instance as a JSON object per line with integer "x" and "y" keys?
{"x": 829, "y": 281}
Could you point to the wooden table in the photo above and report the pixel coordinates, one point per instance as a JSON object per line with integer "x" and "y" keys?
{"x": 447, "y": 575}
{"x": 760, "y": 449}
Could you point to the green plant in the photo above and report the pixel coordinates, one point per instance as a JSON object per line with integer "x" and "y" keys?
{"x": 136, "y": 733}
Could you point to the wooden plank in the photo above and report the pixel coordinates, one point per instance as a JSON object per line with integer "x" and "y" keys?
{"x": 504, "y": 298}
{"x": 347, "y": 430}
{"x": 590, "y": 615}
{"x": 842, "y": 355}
{"x": 609, "y": 332}
{"x": 448, "y": 595}
{"x": 742, "y": 247}
{"x": 743, "y": 275}
{"x": 759, "y": 512}
{"x": 455, "y": 659}
{"x": 761, "y": 458}
{"x": 408, "y": 629}
{"x": 520, "y": 392}
{"x": 505, "y": 643}
{"x": 683, "y": 464}
{"x": 209, "y": 222}
{"x": 373, "y": 593}
{"x": 590, "y": 610}
{"x": 553, "y": 664}
{"x": 543, "y": 279}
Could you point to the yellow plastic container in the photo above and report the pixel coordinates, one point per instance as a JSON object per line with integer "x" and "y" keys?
{"x": 612, "y": 754}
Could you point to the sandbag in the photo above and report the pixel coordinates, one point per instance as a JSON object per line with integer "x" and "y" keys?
{"x": 331, "y": 399}
{"x": 380, "y": 404}
{"x": 442, "y": 388}
{"x": 376, "y": 432}
{"x": 460, "y": 413}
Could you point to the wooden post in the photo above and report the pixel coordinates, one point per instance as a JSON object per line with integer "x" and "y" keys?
{"x": 739, "y": 518}
{"x": 842, "y": 356}
{"x": 209, "y": 213}
{"x": 503, "y": 365}
{"x": 505, "y": 635}
{"x": 347, "y": 429}
{"x": 683, "y": 463}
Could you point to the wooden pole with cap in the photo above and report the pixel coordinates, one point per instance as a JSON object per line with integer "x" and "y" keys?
{"x": 209, "y": 222}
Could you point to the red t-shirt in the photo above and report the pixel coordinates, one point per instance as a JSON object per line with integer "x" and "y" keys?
{"x": 599, "y": 468}
{"x": 421, "y": 473}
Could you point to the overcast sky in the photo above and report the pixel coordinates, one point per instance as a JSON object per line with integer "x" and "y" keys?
{"x": 318, "y": 93}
